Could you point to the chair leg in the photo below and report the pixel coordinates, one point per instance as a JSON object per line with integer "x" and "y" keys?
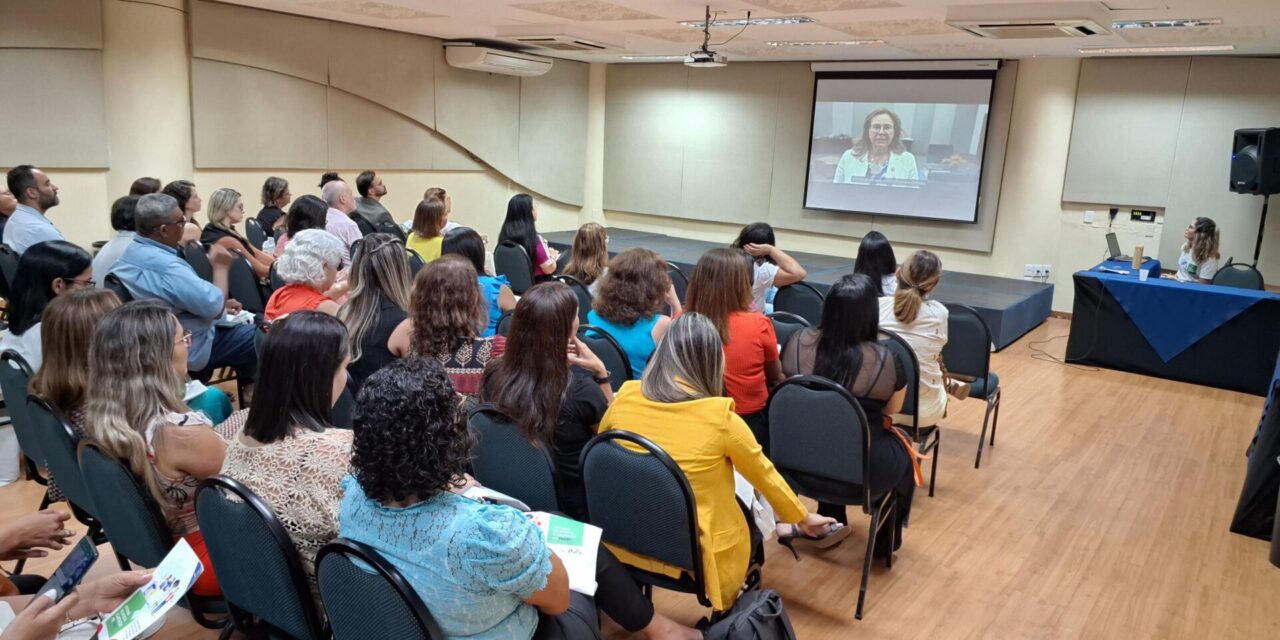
{"x": 933, "y": 470}
{"x": 227, "y": 631}
{"x": 995, "y": 419}
{"x": 890, "y": 519}
{"x": 982, "y": 437}
{"x": 866, "y": 563}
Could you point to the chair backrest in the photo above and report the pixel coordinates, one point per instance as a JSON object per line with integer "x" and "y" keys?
{"x": 129, "y": 515}
{"x": 643, "y": 501}
{"x": 366, "y": 598}
{"x": 801, "y": 299}
{"x": 112, "y": 283}
{"x": 786, "y": 325}
{"x": 1239, "y": 275}
{"x": 196, "y": 256}
{"x": 393, "y": 229}
{"x": 819, "y": 440}
{"x": 57, "y": 443}
{"x": 902, "y": 351}
{"x": 254, "y": 234}
{"x": 504, "y": 460}
{"x": 678, "y": 280}
{"x": 242, "y": 284}
{"x": 260, "y": 338}
{"x": 256, "y": 562}
{"x": 341, "y": 414}
{"x": 15, "y": 379}
{"x": 512, "y": 261}
{"x": 609, "y": 351}
{"x": 416, "y": 262}
{"x": 274, "y": 281}
{"x": 8, "y": 269}
{"x": 503, "y": 328}
{"x": 583, "y": 293}
{"x": 355, "y": 245}
{"x": 968, "y": 348}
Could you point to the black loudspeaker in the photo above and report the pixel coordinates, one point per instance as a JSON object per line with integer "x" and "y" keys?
{"x": 1255, "y": 161}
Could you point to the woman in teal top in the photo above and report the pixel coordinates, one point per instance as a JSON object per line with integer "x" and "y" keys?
{"x": 495, "y": 290}
{"x": 629, "y": 303}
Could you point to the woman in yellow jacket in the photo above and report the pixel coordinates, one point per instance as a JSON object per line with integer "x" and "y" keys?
{"x": 678, "y": 406}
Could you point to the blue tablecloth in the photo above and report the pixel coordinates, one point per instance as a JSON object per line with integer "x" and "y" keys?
{"x": 1150, "y": 265}
{"x": 1173, "y": 315}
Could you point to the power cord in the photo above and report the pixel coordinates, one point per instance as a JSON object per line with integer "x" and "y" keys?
{"x": 1043, "y": 355}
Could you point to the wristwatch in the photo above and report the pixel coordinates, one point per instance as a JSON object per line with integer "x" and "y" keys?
{"x": 604, "y": 379}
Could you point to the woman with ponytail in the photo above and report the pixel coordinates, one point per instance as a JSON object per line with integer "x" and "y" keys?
{"x": 923, "y": 324}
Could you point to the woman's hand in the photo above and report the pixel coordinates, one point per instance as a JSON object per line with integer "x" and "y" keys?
{"x": 816, "y": 525}
{"x": 41, "y": 619}
{"x": 582, "y": 356}
{"x": 105, "y": 594}
{"x": 758, "y": 250}
{"x": 30, "y": 535}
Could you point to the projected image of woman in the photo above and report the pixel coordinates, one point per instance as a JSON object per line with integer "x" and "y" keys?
{"x": 878, "y": 154}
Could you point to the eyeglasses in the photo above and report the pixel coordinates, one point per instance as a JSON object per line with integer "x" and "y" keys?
{"x": 186, "y": 338}
{"x": 880, "y": 128}
{"x": 88, "y": 282}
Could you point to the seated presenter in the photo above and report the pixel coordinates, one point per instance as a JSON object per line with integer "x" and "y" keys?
{"x": 878, "y": 154}
{"x": 1198, "y": 261}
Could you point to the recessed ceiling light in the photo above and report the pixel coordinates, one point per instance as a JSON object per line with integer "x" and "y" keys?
{"x": 822, "y": 43}
{"x": 1173, "y": 23}
{"x": 1199, "y": 48}
{"x": 652, "y": 58}
{"x": 754, "y": 22}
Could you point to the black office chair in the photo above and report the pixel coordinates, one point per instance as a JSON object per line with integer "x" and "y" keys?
{"x": 786, "y": 325}
{"x": 643, "y": 502}
{"x": 565, "y": 257}
{"x": 15, "y": 378}
{"x": 356, "y": 245}
{"x": 610, "y": 353}
{"x": 258, "y": 566}
{"x": 584, "y": 295}
{"x": 801, "y": 299}
{"x": 274, "y": 281}
{"x": 8, "y": 269}
{"x": 243, "y": 285}
{"x": 968, "y": 354}
{"x": 254, "y": 234}
{"x": 512, "y": 261}
{"x": 416, "y": 262}
{"x": 928, "y": 438}
{"x": 112, "y": 283}
{"x": 134, "y": 524}
{"x": 678, "y": 280}
{"x": 366, "y": 598}
{"x": 821, "y": 444}
{"x": 503, "y": 328}
{"x": 504, "y": 460}
{"x": 363, "y": 225}
{"x": 1239, "y": 275}
{"x": 393, "y": 229}
{"x": 196, "y": 255}
{"x": 343, "y": 410}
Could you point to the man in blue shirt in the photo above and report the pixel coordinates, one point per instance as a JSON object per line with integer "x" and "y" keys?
{"x": 153, "y": 269}
{"x": 36, "y": 195}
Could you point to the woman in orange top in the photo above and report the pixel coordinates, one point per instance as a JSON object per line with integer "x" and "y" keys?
{"x": 309, "y": 268}
{"x": 720, "y": 289}
{"x": 678, "y": 406}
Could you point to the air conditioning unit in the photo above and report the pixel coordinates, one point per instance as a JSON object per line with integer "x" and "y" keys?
{"x": 1010, "y": 29}
{"x": 510, "y": 63}
{"x": 1030, "y": 19}
{"x": 559, "y": 43}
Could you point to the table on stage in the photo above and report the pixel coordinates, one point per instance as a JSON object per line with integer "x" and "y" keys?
{"x": 1216, "y": 336}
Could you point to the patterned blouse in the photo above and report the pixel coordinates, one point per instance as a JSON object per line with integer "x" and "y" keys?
{"x": 465, "y": 367}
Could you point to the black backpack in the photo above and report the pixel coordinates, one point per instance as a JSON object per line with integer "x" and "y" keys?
{"x": 757, "y": 615}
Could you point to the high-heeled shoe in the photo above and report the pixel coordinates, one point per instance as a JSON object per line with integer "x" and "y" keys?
{"x": 836, "y": 533}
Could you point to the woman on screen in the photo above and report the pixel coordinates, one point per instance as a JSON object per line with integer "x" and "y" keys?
{"x": 878, "y": 154}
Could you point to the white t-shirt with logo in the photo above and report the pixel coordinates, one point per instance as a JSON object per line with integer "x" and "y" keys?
{"x": 1191, "y": 271}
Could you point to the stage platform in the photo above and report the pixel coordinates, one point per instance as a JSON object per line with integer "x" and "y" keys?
{"x": 1010, "y": 306}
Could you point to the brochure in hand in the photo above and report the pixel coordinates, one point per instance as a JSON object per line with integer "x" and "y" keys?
{"x": 170, "y": 581}
{"x": 576, "y": 543}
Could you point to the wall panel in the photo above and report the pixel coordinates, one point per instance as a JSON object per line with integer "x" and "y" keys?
{"x": 644, "y": 137}
{"x": 278, "y": 42}
{"x": 44, "y": 127}
{"x": 249, "y": 118}
{"x": 395, "y": 70}
{"x": 53, "y": 24}
{"x": 481, "y": 112}
{"x": 363, "y": 134}
{"x": 551, "y": 106}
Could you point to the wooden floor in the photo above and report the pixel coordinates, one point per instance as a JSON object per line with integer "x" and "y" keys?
{"x": 1101, "y": 513}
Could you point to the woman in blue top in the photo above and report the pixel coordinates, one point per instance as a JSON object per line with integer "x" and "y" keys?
{"x": 629, "y": 303}
{"x": 483, "y": 570}
{"x": 495, "y": 289}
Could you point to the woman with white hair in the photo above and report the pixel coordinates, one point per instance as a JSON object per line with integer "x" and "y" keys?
{"x": 309, "y": 268}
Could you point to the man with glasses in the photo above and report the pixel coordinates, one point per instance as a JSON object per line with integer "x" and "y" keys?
{"x": 36, "y": 195}
{"x": 152, "y": 268}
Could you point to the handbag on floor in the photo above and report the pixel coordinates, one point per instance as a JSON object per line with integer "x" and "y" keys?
{"x": 757, "y": 615}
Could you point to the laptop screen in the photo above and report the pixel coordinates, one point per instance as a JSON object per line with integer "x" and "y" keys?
{"x": 1113, "y": 245}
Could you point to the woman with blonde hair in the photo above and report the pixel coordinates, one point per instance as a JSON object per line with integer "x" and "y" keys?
{"x": 589, "y": 260}
{"x": 226, "y": 210}
{"x": 1198, "y": 261}
{"x": 140, "y": 418}
{"x": 429, "y": 220}
{"x": 378, "y": 303}
{"x": 679, "y": 405}
{"x": 879, "y": 153}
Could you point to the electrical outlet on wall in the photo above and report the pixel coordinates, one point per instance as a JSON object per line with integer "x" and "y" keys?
{"x": 1048, "y": 268}
{"x": 1029, "y": 271}
{"x": 1088, "y": 216}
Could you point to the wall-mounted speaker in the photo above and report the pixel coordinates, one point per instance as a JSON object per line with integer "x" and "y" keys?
{"x": 1255, "y": 161}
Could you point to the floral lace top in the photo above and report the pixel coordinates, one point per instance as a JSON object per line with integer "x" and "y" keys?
{"x": 179, "y": 504}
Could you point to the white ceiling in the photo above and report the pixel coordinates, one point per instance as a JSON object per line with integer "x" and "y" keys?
{"x": 911, "y": 29}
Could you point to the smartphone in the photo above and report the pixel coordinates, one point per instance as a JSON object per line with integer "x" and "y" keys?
{"x": 72, "y": 570}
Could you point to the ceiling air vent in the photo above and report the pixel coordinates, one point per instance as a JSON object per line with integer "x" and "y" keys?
{"x": 1026, "y": 29}
{"x": 559, "y": 43}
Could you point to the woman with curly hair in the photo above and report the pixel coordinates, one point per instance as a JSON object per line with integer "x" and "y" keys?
{"x": 1198, "y": 261}
{"x": 483, "y": 570}
{"x": 630, "y": 301}
{"x": 446, "y": 317}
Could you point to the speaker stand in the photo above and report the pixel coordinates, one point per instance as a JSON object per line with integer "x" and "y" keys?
{"x": 1262, "y": 223}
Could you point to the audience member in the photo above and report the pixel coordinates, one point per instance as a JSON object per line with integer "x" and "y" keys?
{"x": 876, "y": 260}
{"x": 143, "y": 186}
{"x": 275, "y": 197}
{"x": 29, "y": 536}
{"x": 36, "y": 195}
{"x": 307, "y": 212}
{"x": 773, "y": 267}
{"x": 67, "y": 330}
{"x": 337, "y": 195}
{"x": 309, "y": 269}
{"x": 483, "y": 570}
{"x": 122, "y": 211}
{"x": 42, "y": 619}
{"x": 536, "y": 384}
{"x": 184, "y": 191}
{"x": 446, "y": 314}
{"x": 140, "y": 418}
{"x": 520, "y": 227}
{"x": 440, "y": 194}
{"x": 496, "y": 290}
{"x": 720, "y": 289}
{"x": 923, "y": 324}
{"x": 843, "y": 349}
{"x": 678, "y": 406}
{"x": 378, "y": 303}
{"x": 589, "y": 260}
{"x": 8, "y": 204}
{"x": 47, "y": 270}
{"x": 226, "y": 210}
{"x": 1198, "y": 261}
{"x": 327, "y": 177}
{"x": 289, "y": 453}
{"x": 151, "y": 269}
{"x": 629, "y": 303}
{"x": 428, "y": 221}
{"x": 369, "y": 204}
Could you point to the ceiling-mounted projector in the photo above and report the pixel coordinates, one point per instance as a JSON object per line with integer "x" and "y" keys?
{"x": 704, "y": 59}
